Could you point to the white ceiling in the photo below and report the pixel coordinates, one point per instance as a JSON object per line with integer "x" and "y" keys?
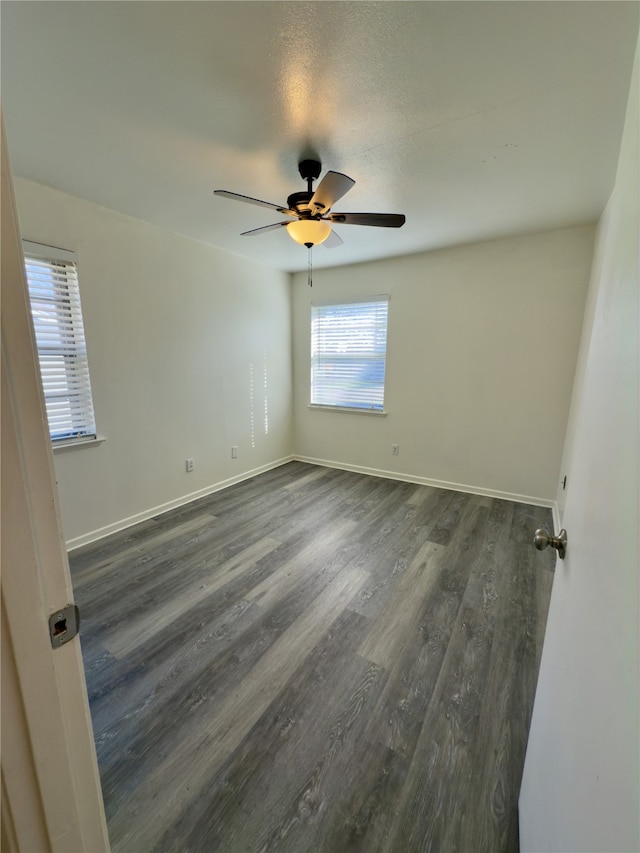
{"x": 475, "y": 119}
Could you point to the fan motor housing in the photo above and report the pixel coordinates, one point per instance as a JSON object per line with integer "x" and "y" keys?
{"x": 300, "y": 202}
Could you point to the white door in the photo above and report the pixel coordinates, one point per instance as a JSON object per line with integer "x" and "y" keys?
{"x": 51, "y": 798}
{"x": 580, "y": 789}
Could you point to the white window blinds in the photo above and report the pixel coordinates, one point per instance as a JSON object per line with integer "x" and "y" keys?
{"x": 57, "y": 318}
{"x": 348, "y": 354}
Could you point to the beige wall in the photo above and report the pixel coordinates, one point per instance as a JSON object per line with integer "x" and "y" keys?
{"x": 189, "y": 351}
{"x": 482, "y": 346}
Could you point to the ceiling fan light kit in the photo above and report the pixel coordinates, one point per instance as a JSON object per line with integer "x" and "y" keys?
{"x": 309, "y": 232}
{"x": 311, "y": 210}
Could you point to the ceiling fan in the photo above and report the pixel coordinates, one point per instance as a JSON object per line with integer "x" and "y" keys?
{"x": 309, "y": 212}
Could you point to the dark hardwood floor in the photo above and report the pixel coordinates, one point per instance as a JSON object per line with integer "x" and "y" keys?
{"x": 315, "y": 660}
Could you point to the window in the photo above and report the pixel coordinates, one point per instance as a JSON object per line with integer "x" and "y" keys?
{"x": 348, "y": 354}
{"x": 62, "y": 353}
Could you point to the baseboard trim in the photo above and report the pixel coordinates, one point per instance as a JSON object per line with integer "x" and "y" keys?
{"x": 101, "y": 532}
{"x": 107, "y": 530}
{"x": 426, "y": 481}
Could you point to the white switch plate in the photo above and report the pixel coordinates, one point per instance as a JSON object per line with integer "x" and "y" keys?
{"x": 234, "y": 451}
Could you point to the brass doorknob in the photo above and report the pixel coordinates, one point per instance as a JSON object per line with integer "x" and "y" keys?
{"x": 542, "y": 539}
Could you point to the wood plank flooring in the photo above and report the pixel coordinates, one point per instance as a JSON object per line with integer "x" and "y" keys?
{"x": 315, "y": 660}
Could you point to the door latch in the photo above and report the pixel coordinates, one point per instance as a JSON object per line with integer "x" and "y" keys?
{"x": 64, "y": 624}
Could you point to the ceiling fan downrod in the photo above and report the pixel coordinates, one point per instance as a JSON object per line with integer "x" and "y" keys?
{"x": 309, "y": 171}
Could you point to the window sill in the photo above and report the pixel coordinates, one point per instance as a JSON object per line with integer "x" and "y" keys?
{"x": 348, "y": 410}
{"x": 76, "y": 443}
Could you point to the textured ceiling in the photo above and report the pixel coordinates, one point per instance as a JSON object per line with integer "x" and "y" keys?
{"x": 477, "y": 120}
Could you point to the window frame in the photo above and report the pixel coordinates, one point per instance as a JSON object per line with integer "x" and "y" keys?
{"x": 372, "y": 357}
{"x": 68, "y": 344}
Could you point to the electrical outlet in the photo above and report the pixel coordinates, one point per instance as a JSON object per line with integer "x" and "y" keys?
{"x": 395, "y": 449}
{"x": 189, "y": 466}
{"x": 234, "y": 451}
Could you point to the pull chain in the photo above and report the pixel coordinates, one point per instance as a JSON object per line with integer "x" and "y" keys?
{"x": 309, "y": 267}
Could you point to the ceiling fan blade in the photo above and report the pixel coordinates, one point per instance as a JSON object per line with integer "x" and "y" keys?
{"x": 331, "y": 188}
{"x": 333, "y": 240}
{"x": 381, "y": 220}
{"x": 263, "y": 229}
{"x": 259, "y": 202}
